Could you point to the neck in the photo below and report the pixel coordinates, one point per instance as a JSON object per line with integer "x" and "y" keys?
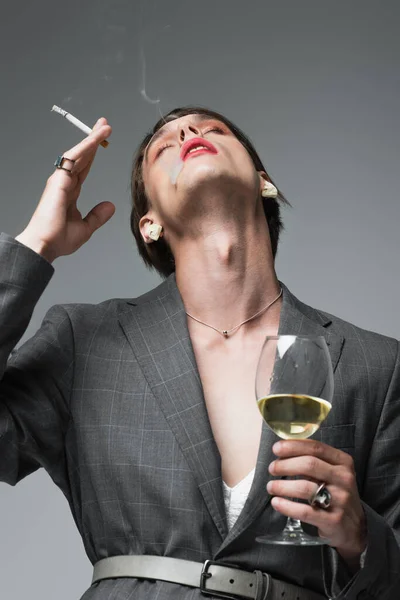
{"x": 227, "y": 276}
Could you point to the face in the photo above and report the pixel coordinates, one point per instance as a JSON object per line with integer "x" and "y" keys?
{"x": 181, "y": 187}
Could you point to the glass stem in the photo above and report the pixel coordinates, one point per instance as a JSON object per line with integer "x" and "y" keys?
{"x": 293, "y": 525}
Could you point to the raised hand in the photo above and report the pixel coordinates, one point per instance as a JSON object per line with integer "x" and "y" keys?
{"x": 57, "y": 227}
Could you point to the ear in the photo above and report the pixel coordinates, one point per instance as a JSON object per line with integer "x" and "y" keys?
{"x": 267, "y": 189}
{"x": 144, "y": 225}
{"x": 263, "y": 178}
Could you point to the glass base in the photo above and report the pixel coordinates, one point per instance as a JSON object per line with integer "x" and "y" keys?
{"x": 289, "y": 538}
{"x": 292, "y": 535}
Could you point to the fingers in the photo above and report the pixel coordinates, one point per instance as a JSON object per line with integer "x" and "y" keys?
{"x": 305, "y": 466}
{"x": 292, "y": 488}
{"x": 99, "y": 123}
{"x": 289, "y": 448}
{"x": 88, "y": 146}
{"x": 83, "y": 155}
{"x": 99, "y": 215}
{"x": 307, "y": 514}
{"x": 313, "y": 468}
{"x": 85, "y": 172}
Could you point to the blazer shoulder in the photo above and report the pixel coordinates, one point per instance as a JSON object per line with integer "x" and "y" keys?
{"x": 339, "y": 326}
{"x": 350, "y": 331}
{"x": 111, "y": 306}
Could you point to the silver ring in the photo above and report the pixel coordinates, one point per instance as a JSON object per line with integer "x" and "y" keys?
{"x": 60, "y": 162}
{"x": 321, "y": 497}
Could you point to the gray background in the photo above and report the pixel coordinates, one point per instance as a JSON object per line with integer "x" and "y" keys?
{"x": 314, "y": 83}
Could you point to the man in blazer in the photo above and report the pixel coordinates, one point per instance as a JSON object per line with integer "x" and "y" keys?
{"x": 111, "y": 399}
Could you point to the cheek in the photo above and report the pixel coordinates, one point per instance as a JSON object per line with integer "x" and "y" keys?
{"x": 242, "y": 160}
{"x": 247, "y": 172}
{"x": 251, "y": 172}
{"x": 169, "y": 166}
{"x": 152, "y": 182}
{"x": 157, "y": 186}
{"x": 159, "y": 173}
{"x": 159, "y": 193}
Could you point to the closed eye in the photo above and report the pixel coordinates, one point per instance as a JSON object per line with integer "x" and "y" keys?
{"x": 162, "y": 149}
{"x": 215, "y": 129}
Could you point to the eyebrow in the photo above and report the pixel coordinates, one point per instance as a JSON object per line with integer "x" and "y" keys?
{"x": 198, "y": 118}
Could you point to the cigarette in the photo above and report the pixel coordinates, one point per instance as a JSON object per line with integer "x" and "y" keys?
{"x": 77, "y": 123}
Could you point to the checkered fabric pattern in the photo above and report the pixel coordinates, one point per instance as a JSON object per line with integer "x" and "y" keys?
{"x": 107, "y": 398}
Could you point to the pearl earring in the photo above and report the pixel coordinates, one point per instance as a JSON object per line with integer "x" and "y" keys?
{"x": 269, "y": 191}
{"x": 154, "y": 231}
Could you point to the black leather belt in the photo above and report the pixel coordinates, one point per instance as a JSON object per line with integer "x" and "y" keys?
{"x": 222, "y": 580}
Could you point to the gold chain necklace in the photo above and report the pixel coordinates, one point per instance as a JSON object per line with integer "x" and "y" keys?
{"x": 226, "y": 332}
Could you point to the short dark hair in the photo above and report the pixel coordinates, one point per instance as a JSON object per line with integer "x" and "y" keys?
{"x": 159, "y": 255}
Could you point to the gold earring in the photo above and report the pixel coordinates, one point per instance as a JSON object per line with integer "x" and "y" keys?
{"x": 154, "y": 231}
{"x": 269, "y": 191}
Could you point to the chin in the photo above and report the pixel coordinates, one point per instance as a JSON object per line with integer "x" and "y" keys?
{"x": 202, "y": 175}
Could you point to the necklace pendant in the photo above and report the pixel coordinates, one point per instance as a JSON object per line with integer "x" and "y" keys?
{"x": 225, "y": 333}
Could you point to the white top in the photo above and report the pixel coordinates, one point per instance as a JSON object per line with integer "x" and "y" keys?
{"x": 236, "y": 497}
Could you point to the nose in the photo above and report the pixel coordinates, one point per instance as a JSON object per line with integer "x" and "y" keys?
{"x": 186, "y": 130}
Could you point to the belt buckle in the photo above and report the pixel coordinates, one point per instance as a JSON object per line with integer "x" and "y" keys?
{"x": 204, "y": 575}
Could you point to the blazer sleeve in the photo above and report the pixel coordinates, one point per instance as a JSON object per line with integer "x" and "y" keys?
{"x": 35, "y": 380}
{"x": 379, "y": 578}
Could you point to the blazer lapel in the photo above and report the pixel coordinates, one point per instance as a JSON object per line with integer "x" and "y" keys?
{"x": 296, "y": 318}
{"x": 156, "y": 329}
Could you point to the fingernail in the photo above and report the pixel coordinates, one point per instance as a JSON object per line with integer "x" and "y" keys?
{"x": 275, "y": 501}
{"x": 277, "y": 447}
{"x": 271, "y": 467}
{"x": 269, "y": 487}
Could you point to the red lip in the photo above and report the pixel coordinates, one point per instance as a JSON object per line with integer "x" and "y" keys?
{"x": 193, "y": 142}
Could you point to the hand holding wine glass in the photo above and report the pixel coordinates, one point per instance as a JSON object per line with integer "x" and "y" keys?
{"x": 294, "y": 390}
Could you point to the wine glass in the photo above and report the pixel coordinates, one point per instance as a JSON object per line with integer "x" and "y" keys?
{"x": 294, "y": 390}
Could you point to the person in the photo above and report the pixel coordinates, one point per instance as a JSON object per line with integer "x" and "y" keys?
{"x": 142, "y": 410}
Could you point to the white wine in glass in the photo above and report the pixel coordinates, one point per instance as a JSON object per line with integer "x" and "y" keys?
{"x": 294, "y": 390}
{"x": 293, "y": 416}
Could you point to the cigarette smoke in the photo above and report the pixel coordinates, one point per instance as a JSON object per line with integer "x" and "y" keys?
{"x": 176, "y": 167}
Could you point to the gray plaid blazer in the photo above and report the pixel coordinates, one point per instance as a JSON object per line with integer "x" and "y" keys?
{"x": 107, "y": 398}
